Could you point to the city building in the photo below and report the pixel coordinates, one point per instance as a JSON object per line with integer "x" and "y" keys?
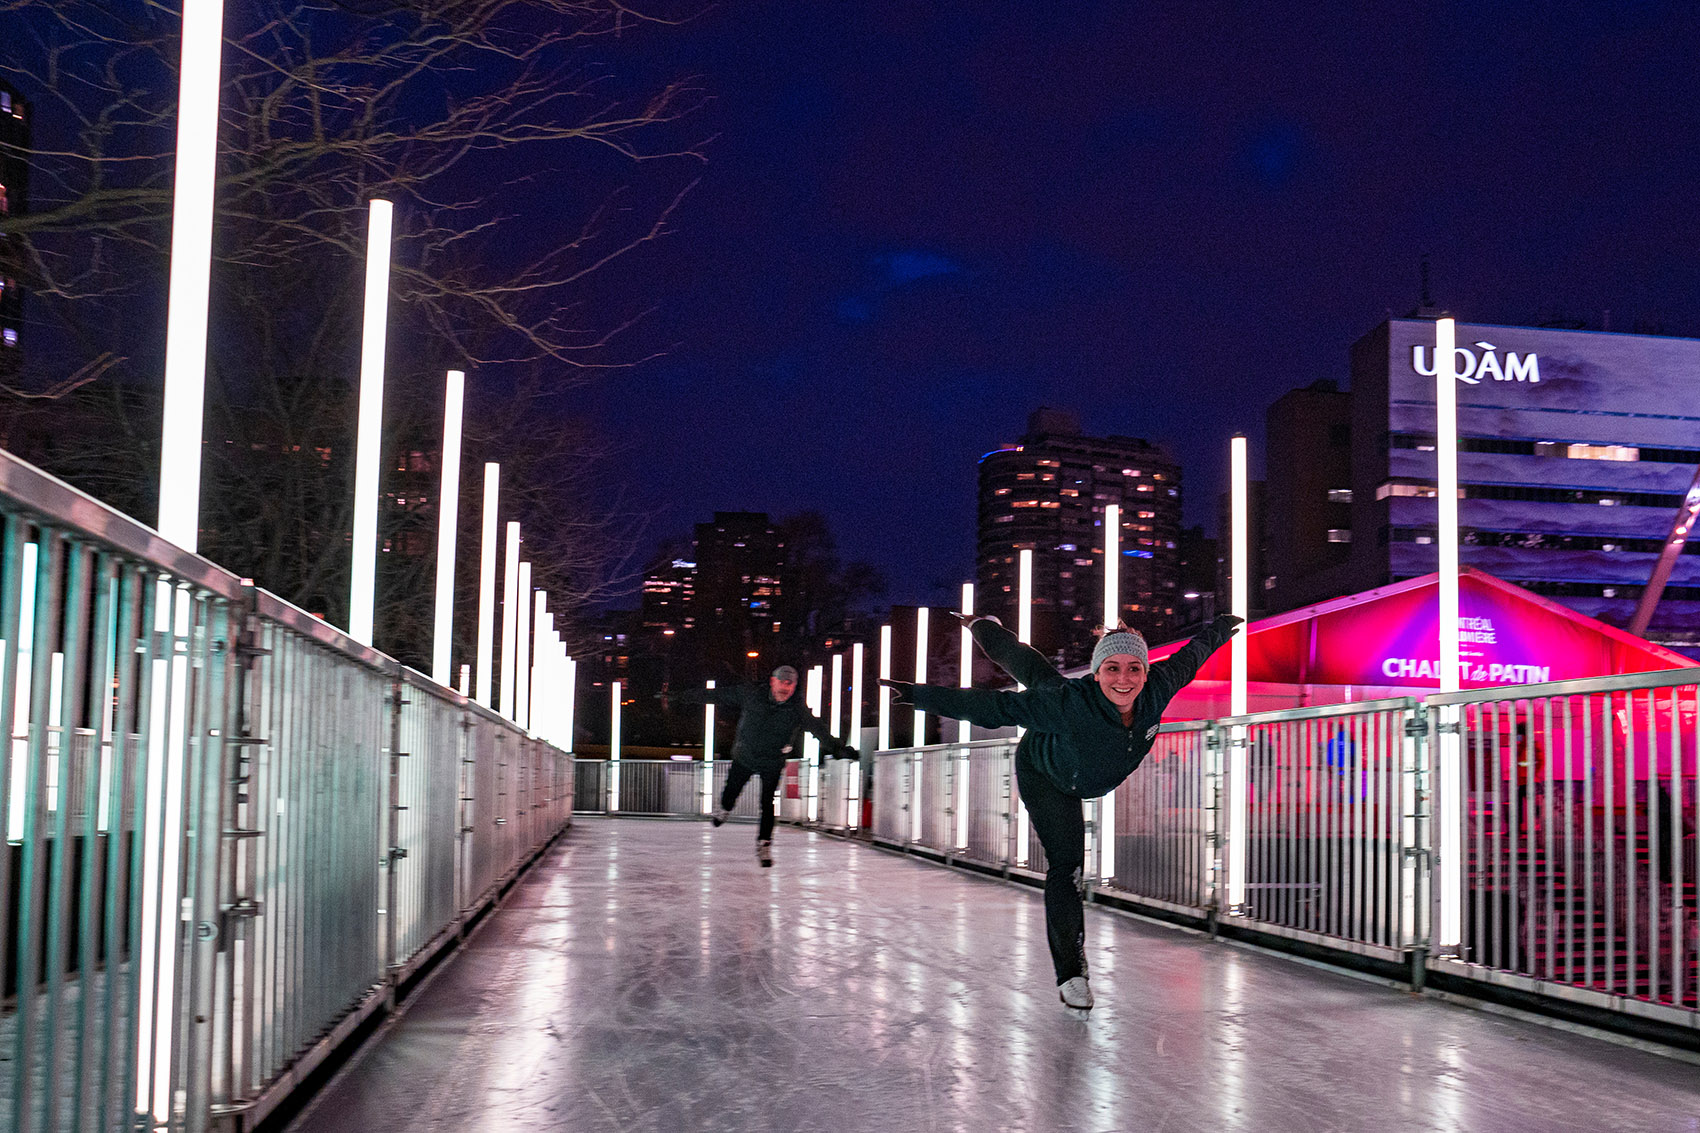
{"x": 1576, "y": 449}
{"x": 1307, "y": 497}
{"x": 739, "y": 558}
{"x": 1047, "y": 493}
{"x": 14, "y": 199}
{"x": 669, "y": 586}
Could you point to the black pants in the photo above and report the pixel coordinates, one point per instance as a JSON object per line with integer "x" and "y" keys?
{"x": 770, "y": 780}
{"x": 1059, "y": 818}
{"x": 1061, "y": 825}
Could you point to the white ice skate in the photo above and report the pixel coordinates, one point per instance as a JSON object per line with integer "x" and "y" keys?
{"x": 764, "y": 854}
{"x": 1076, "y": 993}
{"x": 719, "y": 815}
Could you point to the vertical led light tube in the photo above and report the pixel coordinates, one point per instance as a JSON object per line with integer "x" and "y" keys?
{"x": 811, "y": 747}
{"x": 522, "y": 648}
{"x": 964, "y": 679}
{"x": 538, "y": 699}
{"x": 570, "y": 704}
{"x": 191, "y": 273}
{"x": 1449, "y": 789}
{"x": 708, "y": 754}
{"x": 448, "y": 519}
{"x": 1239, "y": 604}
{"x": 854, "y": 791}
{"x": 487, "y": 583}
{"x": 614, "y": 750}
{"x": 921, "y": 612}
{"x": 885, "y": 693}
{"x": 510, "y": 602}
{"x": 369, "y": 439}
{"x": 837, "y": 695}
{"x": 1112, "y": 564}
{"x": 466, "y": 680}
{"x": 1024, "y": 633}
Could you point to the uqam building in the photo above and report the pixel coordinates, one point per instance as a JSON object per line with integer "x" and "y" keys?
{"x": 1576, "y": 449}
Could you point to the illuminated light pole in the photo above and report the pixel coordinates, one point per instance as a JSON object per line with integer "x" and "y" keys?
{"x": 811, "y": 747}
{"x": 1024, "y": 634}
{"x": 1112, "y": 565}
{"x": 919, "y": 739}
{"x": 568, "y": 720}
{"x": 466, "y": 680}
{"x": 854, "y": 792}
{"x": 614, "y": 751}
{"x": 885, "y": 692}
{"x": 522, "y": 649}
{"x": 708, "y": 754}
{"x": 834, "y": 724}
{"x": 1106, "y": 827}
{"x": 1450, "y": 788}
{"x": 510, "y": 604}
{"x": 487, "y": 583}
{"x": 965, "y": 679}
{"x": 191, "y": 275}
{"x": 448, "y": 518}
{"x": 1239, "y": 599}
{"x": 369, "y": 438}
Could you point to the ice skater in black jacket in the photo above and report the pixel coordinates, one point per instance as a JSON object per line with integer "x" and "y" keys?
{"x": 768, "y": 722}
{"x": 1084, "y": 735}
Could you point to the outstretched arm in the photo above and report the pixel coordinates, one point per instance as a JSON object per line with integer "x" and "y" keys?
{"x": 1021, "y": 661}
{"x": 1032, "y": 708}
{"x": 1172, "y": 673}
{"x": 829, "y": 744}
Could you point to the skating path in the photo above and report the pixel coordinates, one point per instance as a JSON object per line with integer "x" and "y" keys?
{"x": 649, "y": 976}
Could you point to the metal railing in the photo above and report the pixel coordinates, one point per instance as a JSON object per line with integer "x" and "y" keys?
{"x": 230, "y": 831}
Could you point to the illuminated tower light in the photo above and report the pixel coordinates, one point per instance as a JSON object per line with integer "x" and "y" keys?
{"x": 487, "y": 584}
{"x": 369, "y": 437}
{"x": 448, "y": 517}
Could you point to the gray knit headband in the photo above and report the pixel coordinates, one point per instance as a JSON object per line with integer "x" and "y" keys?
{"x": 1122, "y": 641}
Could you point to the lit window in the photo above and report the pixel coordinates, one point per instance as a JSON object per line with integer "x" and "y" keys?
{"x": 1070, "y": 491}
{"x": 1147, "y": 488}
{"x": 1065, "y": 546}
{"x": 1024, "y": 475}
{"x": 1339, "y": 495}
{"x": 10, "y": 336}
{"x": 1004, "y": 518}
{"x": 1147, "y": 515}
{"x": 1001, "y": 492}
{"x": 1130, "y": 472}
{"x": 1338, "y": 535}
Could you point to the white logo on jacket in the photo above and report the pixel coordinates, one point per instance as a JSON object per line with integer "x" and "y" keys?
{"x": 1151, "y": 732}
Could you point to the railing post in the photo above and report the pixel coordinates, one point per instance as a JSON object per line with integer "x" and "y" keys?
{"x": 1214, "y": 842}
{"x": 392, "y": 836}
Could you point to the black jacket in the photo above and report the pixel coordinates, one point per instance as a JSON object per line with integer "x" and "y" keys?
{"x": 767, "y": 730}
{"x": 1075, "y": 736}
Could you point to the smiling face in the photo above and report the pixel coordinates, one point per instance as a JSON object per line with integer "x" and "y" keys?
{"x": 1121, "y": 676}
{"x": 781, "y": 689}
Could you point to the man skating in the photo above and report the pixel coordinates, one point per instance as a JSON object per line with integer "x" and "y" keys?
{"x": 769, "y": 720}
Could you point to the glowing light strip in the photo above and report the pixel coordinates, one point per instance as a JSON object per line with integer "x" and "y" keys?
{"x": 855, "y": 789}
{"x": 1112, "y": 564}
{"x": 487, "y": 583}
{"x": 1107, "y": 835}
{"x": 708, "y": 754}
{"x": 1024, "y": 632}
{"x": 965, "y": 679}
{"x": 540, "y": 702}
{"x": 885, "y": 693}
{"x": 837, "y": 695}
{"x": 614, "y": 750}
{"x": 193, "y": 189}
{"x": 1240, "y": 605}
{"x": 510, "y": 606}
{"x": 522, "y": 648}
{"x": 448, "y": 518}
{"x": 369, "y": 438}
{"x": 919, "y": 738}
{"x": 21, "y": 695}
{"x": 1450, "y": 762}
{"x": 571, "y": 704}
{"x": 811, "y": 746}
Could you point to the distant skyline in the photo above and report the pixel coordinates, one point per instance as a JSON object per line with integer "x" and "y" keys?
{"x": 920, "y": 223}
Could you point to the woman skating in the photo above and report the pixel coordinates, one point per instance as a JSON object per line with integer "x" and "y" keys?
{"x": 1084, "y": 735}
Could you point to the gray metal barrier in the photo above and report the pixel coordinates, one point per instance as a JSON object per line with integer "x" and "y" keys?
{"x": 230, "y": 831}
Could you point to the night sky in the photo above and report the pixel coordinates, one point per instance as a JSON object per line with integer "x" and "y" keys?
{"x": 920, "y": 221}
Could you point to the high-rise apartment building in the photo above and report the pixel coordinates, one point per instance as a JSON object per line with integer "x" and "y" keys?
{"x": 1047, "y": 493}
{"x": 668, "y": 588}
{"x": 738, "y": 563}
{"x": 1307, "y": 498}
{"x": 14, "y": 198}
